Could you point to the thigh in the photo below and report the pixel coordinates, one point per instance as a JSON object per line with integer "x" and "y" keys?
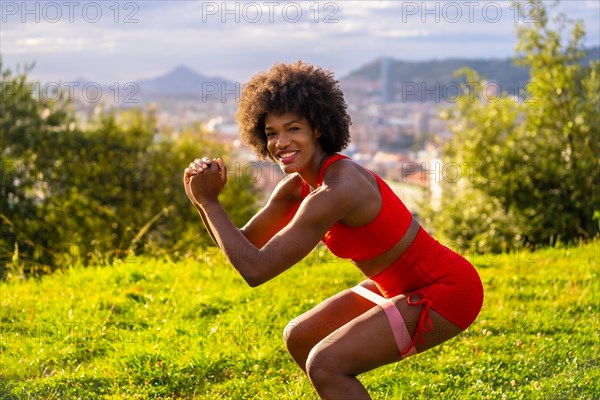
{"x": 329, "y": 315}
{"x": 367, "y": 341}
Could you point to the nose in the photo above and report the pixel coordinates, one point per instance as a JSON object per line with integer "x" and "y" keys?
{"x": 283, "y": 140}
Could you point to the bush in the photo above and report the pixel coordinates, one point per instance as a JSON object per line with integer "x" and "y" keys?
{"x": 536, "y": 174}
{"x": 108, "y": 192}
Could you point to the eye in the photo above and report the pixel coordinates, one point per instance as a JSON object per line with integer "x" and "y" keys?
{"x": 270, "y": 134}
{"x": 294, "y": 128}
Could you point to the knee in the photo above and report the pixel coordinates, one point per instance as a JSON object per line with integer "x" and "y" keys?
{"x": 293, "y": 336}
{"x": 319, "y": 366}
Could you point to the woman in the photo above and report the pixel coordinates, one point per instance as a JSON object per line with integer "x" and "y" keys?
{"x": 418, "y": 293}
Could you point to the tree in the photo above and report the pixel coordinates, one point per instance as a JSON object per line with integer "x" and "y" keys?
{"x": 96, "y": 195}
{"x": 532, "y": 161}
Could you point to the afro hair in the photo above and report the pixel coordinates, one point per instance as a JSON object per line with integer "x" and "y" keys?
{"x": 301, "y": 88}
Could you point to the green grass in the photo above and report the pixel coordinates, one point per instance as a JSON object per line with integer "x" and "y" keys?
{"x": 154, "y": 329}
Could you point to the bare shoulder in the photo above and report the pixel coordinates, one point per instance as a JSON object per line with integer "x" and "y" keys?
{"x": 348, "y": 178}
{"x": 353, "y": 190}
{"x": 288, "y": 190}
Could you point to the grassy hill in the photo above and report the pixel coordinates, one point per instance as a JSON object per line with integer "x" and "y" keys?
{"x": 152, "y": 328}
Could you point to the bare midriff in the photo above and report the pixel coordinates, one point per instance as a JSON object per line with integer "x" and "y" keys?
{"x": 376, "y": 265}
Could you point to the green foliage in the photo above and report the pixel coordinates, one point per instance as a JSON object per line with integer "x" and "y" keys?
{"x": 473, "y": 220}
{"x": 157, "y": 329}
{"x": 534, "y": 170}
{"x": 109, "y": 191}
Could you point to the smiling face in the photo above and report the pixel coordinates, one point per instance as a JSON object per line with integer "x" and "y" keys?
{"x": 293, "y": 143}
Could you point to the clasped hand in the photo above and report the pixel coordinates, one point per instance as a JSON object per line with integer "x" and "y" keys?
{"x": 204, "y": 179}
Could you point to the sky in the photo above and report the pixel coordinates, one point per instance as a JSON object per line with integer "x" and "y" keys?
{"x": 124, "y": 41}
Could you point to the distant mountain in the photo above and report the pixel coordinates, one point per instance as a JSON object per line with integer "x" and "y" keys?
{"x": 184, "y": 81}
{"x": 593, "y": 54}
{"x": 429, "y": 73}
{"x": 441, "y": 70}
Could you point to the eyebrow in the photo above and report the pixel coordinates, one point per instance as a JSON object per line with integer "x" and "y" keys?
{"x": 285, "y": 124}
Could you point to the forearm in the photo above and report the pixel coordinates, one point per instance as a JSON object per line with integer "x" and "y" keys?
{"x": 206, "y": 224}
{"x": 243, "y": 255}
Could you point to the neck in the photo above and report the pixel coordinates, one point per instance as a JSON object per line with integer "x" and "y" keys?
{"x": 311, "y": 176}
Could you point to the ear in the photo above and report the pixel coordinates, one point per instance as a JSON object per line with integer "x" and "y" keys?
{"x": 317, "y": 133}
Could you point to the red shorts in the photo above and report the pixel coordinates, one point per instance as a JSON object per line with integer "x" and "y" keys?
{"x": 441, "y": 278}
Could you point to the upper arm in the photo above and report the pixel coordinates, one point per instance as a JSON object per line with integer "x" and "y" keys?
{"x": 276, "y": 214}
{"x": 317, "y": 213}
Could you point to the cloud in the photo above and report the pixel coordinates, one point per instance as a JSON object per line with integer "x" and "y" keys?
{"x": 50, "y": 45}
{"x": 234, "y": 42}
{"x": 401, "y": 33}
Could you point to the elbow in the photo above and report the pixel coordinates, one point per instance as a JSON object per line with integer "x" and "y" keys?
{"x": 258, "y": 276}
{"x": 254, "y": 281}
{"x": 253, "y": 284}
{"x": 252, "y": 277}
{"x": 254, "y": 273}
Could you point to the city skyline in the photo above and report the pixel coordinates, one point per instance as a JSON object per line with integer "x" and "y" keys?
{"x": 122, "y": 41}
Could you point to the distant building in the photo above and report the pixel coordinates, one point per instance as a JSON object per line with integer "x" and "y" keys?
{"x": 421, "y": 123}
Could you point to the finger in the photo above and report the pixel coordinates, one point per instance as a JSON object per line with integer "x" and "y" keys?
{"x": 200, "y": 167}
{"x": 189, "y": 171}
{"x": 222, "y": 169}
{"x": 194, "y": 167}
{"x": 213, "y": 167}
{"x": 204, "y": 160}
{"x": 187, "y": 176}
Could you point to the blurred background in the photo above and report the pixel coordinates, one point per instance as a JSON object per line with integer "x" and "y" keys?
{"x": 482, "y": 116}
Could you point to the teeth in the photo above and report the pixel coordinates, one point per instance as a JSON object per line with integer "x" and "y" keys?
{"x": 285, "y": 155}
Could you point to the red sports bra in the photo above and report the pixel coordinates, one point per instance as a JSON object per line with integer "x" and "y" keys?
{"x": 368, "y": 241}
